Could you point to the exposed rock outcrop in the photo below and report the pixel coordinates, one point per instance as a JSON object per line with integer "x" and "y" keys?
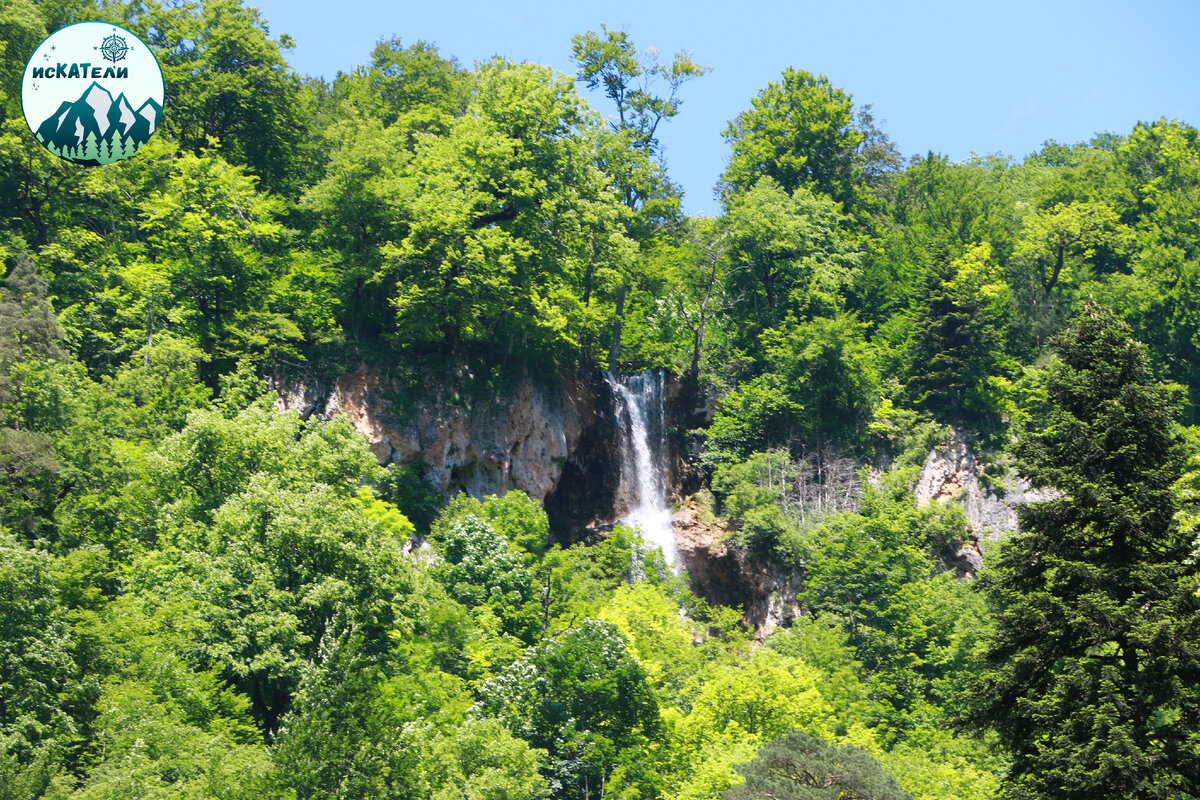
{"x": 520, "y": 440}
{"x": 557, "y": 444}
{"x": 712, "y": 567}
{"x": 560, "y": 445}
{"x": 988, "y": 493}
{"x": 724, "y": 576}
{"x": 952, "y": 472}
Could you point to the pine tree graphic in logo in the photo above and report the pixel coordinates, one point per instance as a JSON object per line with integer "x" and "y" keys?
{"x": 114, "y": 48}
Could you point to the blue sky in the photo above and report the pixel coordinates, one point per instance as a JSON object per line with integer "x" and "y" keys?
{"x": 950, "y": 77}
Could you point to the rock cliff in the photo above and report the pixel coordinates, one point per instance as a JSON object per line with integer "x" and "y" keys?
{"x": 559, "y": 444}
{"x": 520, "y": 439}
{"x": 723, "y": 575}
{"x": 988, "y": 493}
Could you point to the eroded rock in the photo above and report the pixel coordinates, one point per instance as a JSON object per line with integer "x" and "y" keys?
{"x": 952, "y": 472}
{"x": 723, "y": 575}
{"x": 479, "y": 445}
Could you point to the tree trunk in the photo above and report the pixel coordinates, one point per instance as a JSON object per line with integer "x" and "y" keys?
{"x": 614, "y": 355}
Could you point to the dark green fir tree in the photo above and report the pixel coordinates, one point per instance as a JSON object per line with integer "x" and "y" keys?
{"x": 28, "y": 332}
{"x": 1094, "y": 661}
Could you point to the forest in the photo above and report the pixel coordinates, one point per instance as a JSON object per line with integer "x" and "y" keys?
{"x": 204, "y": 597}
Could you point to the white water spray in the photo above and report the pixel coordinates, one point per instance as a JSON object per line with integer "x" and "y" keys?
{"x": 642, "y": 423}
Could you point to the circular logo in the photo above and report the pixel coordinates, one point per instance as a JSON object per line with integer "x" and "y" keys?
{"x": 92, "y": 93}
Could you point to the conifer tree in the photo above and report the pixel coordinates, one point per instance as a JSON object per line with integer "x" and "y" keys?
{"x": 957, "y": 340}
{"x": 28, "y": 332}
{"x": 91, "y": 147}
{"x": 799, "y": 766}
{"x": 1094, "y": 680}
{"x": 28, "y": 326}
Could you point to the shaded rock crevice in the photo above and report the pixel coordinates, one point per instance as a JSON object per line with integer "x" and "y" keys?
{"x": 687, "y": 409}
{"x": 724, "y": 575}
{"x": 583, "y": 500}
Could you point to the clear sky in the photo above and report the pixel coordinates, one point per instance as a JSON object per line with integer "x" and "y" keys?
{"x": 949, "y": 76}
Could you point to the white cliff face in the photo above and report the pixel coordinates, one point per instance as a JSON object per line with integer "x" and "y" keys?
{"x": 520, "y": 441}
{"x": 952, "y": 471}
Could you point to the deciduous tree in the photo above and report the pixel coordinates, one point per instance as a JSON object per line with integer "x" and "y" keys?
{"x": 799, "y": 132}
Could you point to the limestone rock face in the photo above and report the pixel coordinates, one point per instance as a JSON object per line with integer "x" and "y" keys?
{"x": 952, "y": 473}
{"x": 520, "y": 440}
{"x": 711, "y": 565}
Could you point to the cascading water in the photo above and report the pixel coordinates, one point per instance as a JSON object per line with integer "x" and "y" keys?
{"x": 642, "y": 422}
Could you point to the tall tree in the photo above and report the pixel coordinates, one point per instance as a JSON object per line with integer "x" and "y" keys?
{"x": 411, "y": 85}
{"x": 1058, "y": 245}
{"x": 28, "y": 327}
{"x": 799, "y": 132}
{"x": 21, "y": 28}
{"x": 228, "y": 81}
{"x": 35, "y": 650}
{"x": 645, "y": 92}
{"x": 610, "y": 61}
{"x": 956, "y": 344}
{"x": 582, "y": 697}
{"x": 791, "y": 255}
{"x": 214, "y": 236}
{"x": 505, "y": 215}
{"x": 1094, "y": 679}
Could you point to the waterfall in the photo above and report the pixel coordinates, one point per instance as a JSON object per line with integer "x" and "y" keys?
{"x": 642, "y": 423}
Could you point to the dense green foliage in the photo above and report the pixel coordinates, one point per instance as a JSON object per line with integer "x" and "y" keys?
{"x": 1094, "y": 662}
{"x": 202, "y": 597}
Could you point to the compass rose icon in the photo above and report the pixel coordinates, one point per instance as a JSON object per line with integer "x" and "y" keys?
{"x": 114, "y": 48}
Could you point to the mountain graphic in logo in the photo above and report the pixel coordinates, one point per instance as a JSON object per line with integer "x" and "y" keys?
{"x": 98, "y": 129}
